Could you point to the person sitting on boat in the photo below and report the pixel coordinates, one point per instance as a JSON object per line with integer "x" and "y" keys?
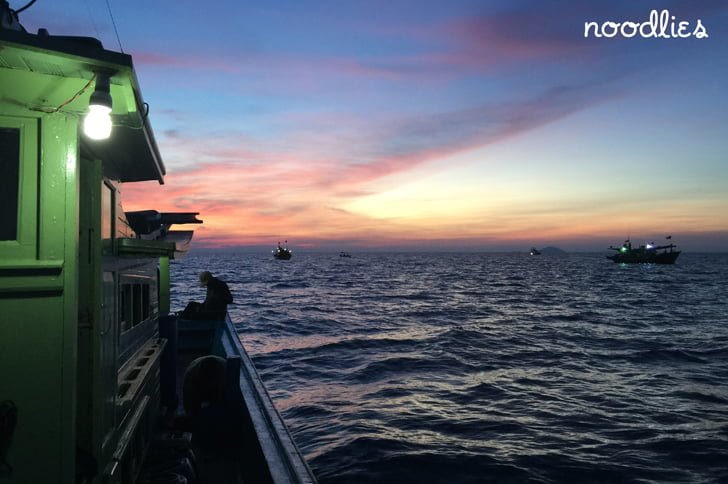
{"x": 216, "y": 301}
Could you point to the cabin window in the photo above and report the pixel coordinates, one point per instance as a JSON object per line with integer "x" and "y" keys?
{"x": 146, "y": 307}
{"x": 19, "y": 187}
{"x": 9, "y": 182}
{"x": 137, "y": 294}
{"x": 135, "y": 305}
{"x": 126, "y": 307}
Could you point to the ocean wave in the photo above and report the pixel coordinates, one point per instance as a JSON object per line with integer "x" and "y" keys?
{"x": 660, "y": 355}
{"x": 379, "y": 370}
{"x": 489, "y": 368}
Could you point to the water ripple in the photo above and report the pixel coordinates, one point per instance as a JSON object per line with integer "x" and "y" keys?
{"x": 466, "y": 368}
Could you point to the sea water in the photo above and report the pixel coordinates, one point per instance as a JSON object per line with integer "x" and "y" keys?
{"x": 470, "y": 368}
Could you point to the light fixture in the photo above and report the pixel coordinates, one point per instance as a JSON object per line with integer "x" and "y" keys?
{"x": 97, "y": 124}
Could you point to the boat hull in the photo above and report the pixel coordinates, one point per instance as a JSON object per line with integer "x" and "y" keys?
{"x": 282, "y": 256}
{"x": 268, "y": 452}
{"x": 642, "y": 258}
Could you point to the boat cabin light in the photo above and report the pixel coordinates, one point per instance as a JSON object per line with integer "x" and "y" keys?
{"x": 97, "y": 124}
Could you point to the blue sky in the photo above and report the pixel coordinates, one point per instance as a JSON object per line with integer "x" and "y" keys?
{"x": 481, "y": 124}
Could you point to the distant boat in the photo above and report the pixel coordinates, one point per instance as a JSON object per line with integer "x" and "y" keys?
{"x": 535, "y": 251}
{"x": 282, "y": 253}
{"x": 344, "y": 254}
{"x": 645, "y": 254}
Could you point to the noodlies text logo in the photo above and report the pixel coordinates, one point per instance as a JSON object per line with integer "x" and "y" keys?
{"x": 659, "y": 25}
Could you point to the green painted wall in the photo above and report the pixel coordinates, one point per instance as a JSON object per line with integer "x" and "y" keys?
{"x": 38, "y": 294}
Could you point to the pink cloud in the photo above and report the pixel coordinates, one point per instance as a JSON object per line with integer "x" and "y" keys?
{"x": 243, "y": 188}
{"x": 155, "y": 59}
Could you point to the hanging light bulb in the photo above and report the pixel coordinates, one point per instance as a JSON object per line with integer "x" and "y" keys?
{"x": 97, "y": 124}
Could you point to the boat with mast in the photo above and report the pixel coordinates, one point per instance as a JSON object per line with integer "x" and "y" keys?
{"x": 645, "y": 254}
{"x": 282, "y": 253}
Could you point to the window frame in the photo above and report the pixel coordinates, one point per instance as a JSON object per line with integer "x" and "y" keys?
{"x": 25, "y": 244}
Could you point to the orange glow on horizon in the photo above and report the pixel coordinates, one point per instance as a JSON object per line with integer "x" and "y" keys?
{"x": 311, "y": 219}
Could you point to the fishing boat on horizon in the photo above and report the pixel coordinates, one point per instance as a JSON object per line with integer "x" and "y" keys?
{"x": 535, "y": 251}
{"x": 645, "y": 254}
{"x": 282, "y": 253}
{"x": 97, "y": 371}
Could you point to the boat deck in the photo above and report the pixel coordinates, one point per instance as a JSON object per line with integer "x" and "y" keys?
{"x": 212, "y": 465}
{"x": 238, "y": 437}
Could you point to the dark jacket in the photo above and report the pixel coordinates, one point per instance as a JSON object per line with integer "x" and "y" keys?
{"x": 218, "y": 296}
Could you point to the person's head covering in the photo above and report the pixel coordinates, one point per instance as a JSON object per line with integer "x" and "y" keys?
{"x": 205, "y": 276}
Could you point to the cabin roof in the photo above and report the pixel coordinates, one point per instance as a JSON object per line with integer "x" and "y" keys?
{"x": 44, "y": 72}
{"x": 148, "y": 221}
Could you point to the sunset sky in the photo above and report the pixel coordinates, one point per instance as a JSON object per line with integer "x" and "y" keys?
{"x": 439, "y": 124}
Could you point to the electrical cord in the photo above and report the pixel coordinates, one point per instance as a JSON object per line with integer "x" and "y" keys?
{"x": 83, "y": 89}
{"x": 28, "y": 5}
{"x": 113, "y": 22}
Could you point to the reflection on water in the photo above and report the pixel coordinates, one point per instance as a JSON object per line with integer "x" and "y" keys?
{"x": 264, "y": 343}
{"x": 488, "y": 367}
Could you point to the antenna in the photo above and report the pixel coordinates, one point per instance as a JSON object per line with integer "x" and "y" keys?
{"x": 108, "y": 5}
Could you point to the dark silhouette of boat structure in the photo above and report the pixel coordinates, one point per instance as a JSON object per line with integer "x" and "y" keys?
{"x": 95, "y": 384}
{"x": 344, "y": 254}
{"x": 535, "y": 251}
{"x": 645, "y": 254}
{"x": 282, "y": 253}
